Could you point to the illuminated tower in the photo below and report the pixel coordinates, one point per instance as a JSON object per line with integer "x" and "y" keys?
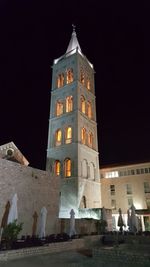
{"x": 72, "y": 151}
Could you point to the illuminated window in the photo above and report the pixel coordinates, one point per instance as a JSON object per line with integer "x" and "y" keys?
{"x": 83, "y": 104}
{"x": 57, "y": 167}
{"x": 113, "y": 174}
{"x": 58, "y": 137}
{"x": 69, "y": 76}
{"x": 90, "y": 139}
{"x": 113, "y": 204}
{"x": 128, "y": 189}
{"x": 88, "y": 84}
{"x": 82, "y": 79}
{"x": 89, "y": 110}
{"x": 112, "y": 189}
{"x": 67, "y": 167}
{"x": 68, "y": 135}
{"x": 59, "y": 108}
{"x": 69, "y": 104}
{"x": 83, "y": 136}
{"x": 60, "y": 80}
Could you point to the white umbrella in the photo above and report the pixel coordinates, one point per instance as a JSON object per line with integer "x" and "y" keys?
{"x": 42, "y": 223}
{"x": 13, "y": 212}
{"x": 72, "y": 230}
{"x": 129, "y": 219}
{"x": 134, "y": 220}
{"x": 120, "y": 220}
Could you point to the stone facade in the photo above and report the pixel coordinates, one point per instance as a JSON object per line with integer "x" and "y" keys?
{"x": 35, "y": 189}
{"x": 81, "y": 188}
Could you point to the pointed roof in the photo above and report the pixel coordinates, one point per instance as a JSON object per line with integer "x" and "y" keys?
{"x": 73, "y": 47}
{"x": 73, "y": 44}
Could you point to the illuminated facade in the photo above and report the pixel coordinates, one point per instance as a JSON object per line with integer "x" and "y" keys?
{"x": 124, "y": 185}
{"x": 72, "y": 152}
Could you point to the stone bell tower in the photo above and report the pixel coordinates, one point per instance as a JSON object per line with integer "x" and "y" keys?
{"x": 72, "y": 150}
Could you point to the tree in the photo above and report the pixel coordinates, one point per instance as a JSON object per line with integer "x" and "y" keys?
{"x": 10, "y": 233}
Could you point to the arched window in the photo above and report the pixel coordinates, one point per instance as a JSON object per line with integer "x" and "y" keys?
{"x": 69, "y": 103}
{"x": 83, "y": 136}
{"x": 83, "y": 104}
{"x": 69, "y": 76}
{"x": 58, "y": 137}
{"x": 68, "y": 135}
{"x": 82, "y": 78}
{"x": 60, "y": 80}
{"x": 57, "y": 168}
{"x": 84, "y": 168}
{"x": 88, "y": 84}
{"x": 90, "y": 139}
{"x": 67, "y": 167}
{"x": 92, "y": 171}
{"x": 59, "y": 108}
{"x": 89, "y": 110}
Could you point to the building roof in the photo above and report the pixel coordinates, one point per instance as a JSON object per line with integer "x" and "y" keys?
{"x": 10, "y": 152}
{"x": 124, "y": 164}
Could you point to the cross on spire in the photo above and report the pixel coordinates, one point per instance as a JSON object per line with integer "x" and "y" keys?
{"x": 74, "y": 27}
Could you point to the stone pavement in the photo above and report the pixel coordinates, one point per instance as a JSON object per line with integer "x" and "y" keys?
{"x": 62, "y": 259}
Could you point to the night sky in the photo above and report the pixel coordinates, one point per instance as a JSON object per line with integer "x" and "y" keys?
{"x": 115, "y": 38}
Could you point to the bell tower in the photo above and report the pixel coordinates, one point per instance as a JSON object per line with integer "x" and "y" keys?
{"x": 72, "y": 150}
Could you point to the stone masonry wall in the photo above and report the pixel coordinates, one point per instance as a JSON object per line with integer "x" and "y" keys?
{"x": 35, "y": 189}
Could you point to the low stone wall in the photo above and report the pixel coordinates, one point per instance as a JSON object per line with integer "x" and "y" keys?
{"x": 122, "y": 256}
{"x": 50, "y": 248}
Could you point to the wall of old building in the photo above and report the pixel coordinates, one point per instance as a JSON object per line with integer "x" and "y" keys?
{"x": 35, "y": 188}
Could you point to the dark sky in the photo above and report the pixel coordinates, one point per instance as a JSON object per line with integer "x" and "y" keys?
{"x": 115, "y": 38}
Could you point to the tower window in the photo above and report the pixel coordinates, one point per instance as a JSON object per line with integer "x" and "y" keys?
{"x": 82, "y": 78}
{"x": 83, "y": 136}
{"x": 57, "y": 167}
{"x": 69, "y": 76}
{"x": 88, "y": 84}
{"x": 60, "y": 80}
{"x": 83, "y": 104}
{"x": 69, "y": 104}
{"x": 89, "y": 110}
{"x": 67, "y": 167}
{"x": 59, "y": 108}
{"x": 90, "y": 139}
{"x": 58, "y": 137}
{"x": 68, "y": 135}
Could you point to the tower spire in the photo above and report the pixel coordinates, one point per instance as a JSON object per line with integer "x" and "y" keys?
{"x": 73, "y": 44}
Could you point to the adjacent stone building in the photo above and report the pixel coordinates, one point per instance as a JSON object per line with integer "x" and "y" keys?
{"x": 35, "y": 189}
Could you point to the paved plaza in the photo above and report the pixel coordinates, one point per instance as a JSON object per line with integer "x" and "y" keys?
{"x": 65, "y": 259}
